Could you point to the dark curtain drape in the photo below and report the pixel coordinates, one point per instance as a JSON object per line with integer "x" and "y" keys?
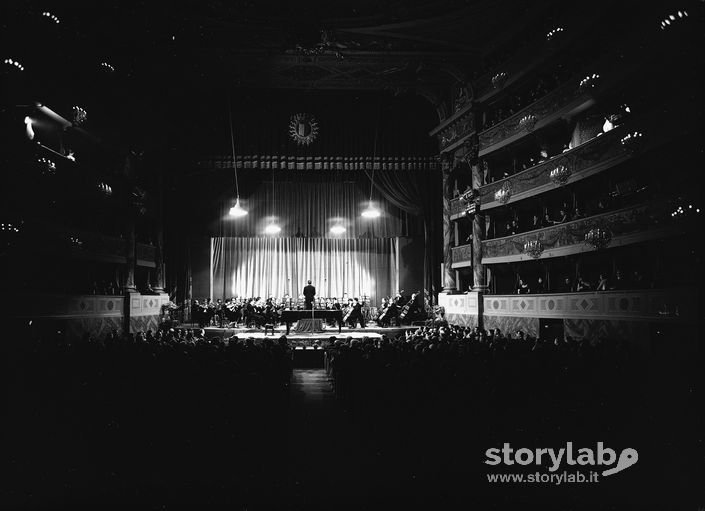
{"x": 417, "y": 194}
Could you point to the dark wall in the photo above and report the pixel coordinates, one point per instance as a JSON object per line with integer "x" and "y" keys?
{"x": 411, "y": 254}
{"x": 200, "y": 264}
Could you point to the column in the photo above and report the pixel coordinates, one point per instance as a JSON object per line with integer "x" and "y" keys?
{"x": 448, "y": 276}
{"x": 478, "y": 221}
{"x": 158, "y": 276}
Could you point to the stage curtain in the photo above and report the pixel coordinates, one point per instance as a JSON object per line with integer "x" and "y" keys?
{"x": 417, "y": 195}
{"x": 252, "y": 267}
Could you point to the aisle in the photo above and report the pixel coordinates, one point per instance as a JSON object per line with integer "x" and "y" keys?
{"x": 325, "y": 453}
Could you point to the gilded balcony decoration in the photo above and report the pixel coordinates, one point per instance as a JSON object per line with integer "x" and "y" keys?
{"x": 499, "y": 79}
{"x": 652, "y": 216}
{"x": 527, "y": 122}
{"x": 632, "y": 141}
{"x": 533, "y": 248}
{"x": 457, "y": 206}
{"x": 458, "y": 129}
{"x": 504, "y": 194}
{"x": 560, "y": 175}
{"x": 600, "y": 151}
{"x": 589, "y": 82}
{"x": 598, "y": 238}
{"x": 462, "y": 253}
{"x": 554, "y": 33}
{"x": 553, "y": 102}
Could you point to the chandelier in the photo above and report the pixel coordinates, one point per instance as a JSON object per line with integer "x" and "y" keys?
{"x": 499, "y": 79}
{"x": 631, "y": 141}
{"x": 598, "y": 238}
{"x": 589, "y": 82}
{"x": 560, "y": 175}
{"x": 666, "y": 22}
{"x": 527, "y": 122}
{"x": 533, "y": 248}
{"x": 550, "y": 35}
{"x": 79, "y": 115}
{"x": 46, "y": 166}
{"x": 503, "y": 194}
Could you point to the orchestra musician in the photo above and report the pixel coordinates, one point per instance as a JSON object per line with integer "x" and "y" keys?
{"x": 389, "y": 310}
{"x": 355, "y": 315}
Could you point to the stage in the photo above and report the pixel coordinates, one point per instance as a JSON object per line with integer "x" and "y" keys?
{"x": 305, "y": 339}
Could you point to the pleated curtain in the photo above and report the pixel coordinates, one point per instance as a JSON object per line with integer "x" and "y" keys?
{"x": 341, "y": 268}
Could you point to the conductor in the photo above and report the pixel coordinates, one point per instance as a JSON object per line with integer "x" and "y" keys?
{"x": 309, "y": 293}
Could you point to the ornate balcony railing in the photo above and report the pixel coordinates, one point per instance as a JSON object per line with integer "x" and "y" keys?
{"x": 462, "y": 255}
{"x": 560, "y": 102}
{"x": 649, "y": 305}
{"x": 585, "y": 160}
{"x": 627, "y": 226}
{"x": 455, "y": 129}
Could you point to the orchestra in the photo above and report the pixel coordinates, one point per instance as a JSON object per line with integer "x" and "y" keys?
{"x": 256, "y": 312}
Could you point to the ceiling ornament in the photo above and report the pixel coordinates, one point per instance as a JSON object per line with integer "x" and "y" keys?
{"x": 303, "y": 128}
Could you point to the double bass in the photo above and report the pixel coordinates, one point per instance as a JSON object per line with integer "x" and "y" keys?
{"x": 348, "y": 309}
{"x": 407, "y": 308}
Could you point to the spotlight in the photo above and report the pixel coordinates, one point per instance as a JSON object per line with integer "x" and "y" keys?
{"x": 337, "y": 229}
{"x": 237, "y": 210}
{"x": 371, "y": 212}
{"x": 272, "y": 229}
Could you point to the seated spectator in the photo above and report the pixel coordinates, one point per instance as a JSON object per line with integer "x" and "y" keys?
{"x": 522, "y": 288}
{"x": 515, "y": 226}
{"x": 638, "y": 281}
{"x": 619, "y": 282}
{"x": 603, "y": 283}
{"x": 577, "y": 213}
{"x": 582, "y": 285}
{"x": 562, "y": 217}
{"x": 543, "y": 156}
{"x": 535, "y": 223}
{"x": 567, "y": 286}
{"x": 540, "y": 288}
{"x": 547, "y": 222}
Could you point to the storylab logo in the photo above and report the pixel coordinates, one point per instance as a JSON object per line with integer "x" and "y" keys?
{"x": 600, "y": 458}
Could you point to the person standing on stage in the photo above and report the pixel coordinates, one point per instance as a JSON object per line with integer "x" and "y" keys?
{"x": 309, "y": 293}
{"x": 356, "y": 315}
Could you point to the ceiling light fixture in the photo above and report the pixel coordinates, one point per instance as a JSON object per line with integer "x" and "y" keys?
{"x": 273, "y": 228}
{"x": 337, "y": 229}
{"x": 236, "y": 211}
{"x": 372, "y": 211}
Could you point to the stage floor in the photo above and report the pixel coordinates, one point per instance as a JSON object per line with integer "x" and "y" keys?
{"x": 373, "y": 332}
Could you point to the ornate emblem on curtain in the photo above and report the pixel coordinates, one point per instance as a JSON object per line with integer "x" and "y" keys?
{"x": 303, "y": 128}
